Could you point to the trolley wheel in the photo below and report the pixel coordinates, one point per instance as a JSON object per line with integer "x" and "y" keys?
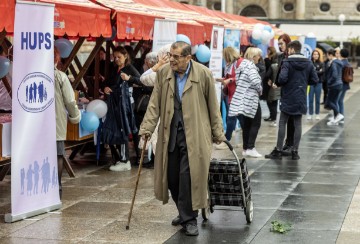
{"x": 249, "y": 211}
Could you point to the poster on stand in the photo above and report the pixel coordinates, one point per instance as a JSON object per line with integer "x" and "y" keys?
{"x": 165, "y": 32}
{"x": 232, "y": 38}
{"x": 309, "y": 46}
{"x": 34, "y": 177}
{"x": 216, "y": 58}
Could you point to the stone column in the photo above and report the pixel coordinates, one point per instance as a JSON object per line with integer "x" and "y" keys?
{"x": 229, "y": 7}
{"x": 274, "y": 9}
{"x": 300, "y": 9}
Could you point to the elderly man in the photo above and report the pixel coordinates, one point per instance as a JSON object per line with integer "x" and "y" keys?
{"x": 185, "y": 100}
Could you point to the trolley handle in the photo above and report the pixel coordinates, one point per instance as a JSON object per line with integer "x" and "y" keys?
{"x": 229, "y": 145}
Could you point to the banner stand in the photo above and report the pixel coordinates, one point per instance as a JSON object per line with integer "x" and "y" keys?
{"x": 9, "y": 218}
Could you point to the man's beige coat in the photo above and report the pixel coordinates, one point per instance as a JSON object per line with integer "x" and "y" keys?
{"x": 202, "y": 122}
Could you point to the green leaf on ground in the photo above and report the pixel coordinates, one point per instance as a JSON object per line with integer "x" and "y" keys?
{"x": 277, "y": 226}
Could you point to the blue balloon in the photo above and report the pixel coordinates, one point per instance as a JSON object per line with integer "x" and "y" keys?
{"x": 183, "y": 38}
{"x": 255, "y": 41}
{"x": 64, "y": 46}
{"x": 89, "y": 121}
{"x": 203, "y": 54}
{"x": 113, "y": 34}
{"x": 268, "y": 28}
{"x": 4, "y": 66}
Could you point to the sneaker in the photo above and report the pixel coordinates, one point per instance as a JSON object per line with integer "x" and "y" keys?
{"x": 268, "y": 119}
{"x": 342, "y": 121}
{"x": 119, "y": 166}
{"x": 273, "y": 124}
{"x": 275, "y": 154}
{"x": 286, "y": 151}
{"x": 338, "y": 118}
{"x": 295, "y": 155}
{"x": 317, "y": 117}
{"x": 244, "y": 153}
{"x": 253, "y": 153}
{"x": 332, "y": 122}
{"x": 309, "y": 117}
{"x": 331, "y": 118}
{"x": 221, "y": 146}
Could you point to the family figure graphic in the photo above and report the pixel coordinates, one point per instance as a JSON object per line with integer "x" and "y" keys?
{"x": 32, "y": 177}
{"x": 36, "y": 90}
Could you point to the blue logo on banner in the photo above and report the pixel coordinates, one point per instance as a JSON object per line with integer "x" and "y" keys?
{"x": 33, "y": 91}
{"x": 31, "y": 176}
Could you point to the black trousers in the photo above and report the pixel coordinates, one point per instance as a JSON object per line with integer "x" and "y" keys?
{"x": 272, "y": 108}
{"x": 250, "y": 128}
{"x": 179, "y": 181}
{"x": 290, "y": 132}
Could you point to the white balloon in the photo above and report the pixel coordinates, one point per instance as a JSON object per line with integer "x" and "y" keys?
{"x": 194, "y": 49}
{"x": 97, "y": 106}
{"x": 265, "y": 37}
{"x": 258, "y": 26}
{"x": 310, "y": 34}
{"x": 256, "y": 34}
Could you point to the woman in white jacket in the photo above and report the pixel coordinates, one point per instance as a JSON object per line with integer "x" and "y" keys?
{"x": 245, "y": 102}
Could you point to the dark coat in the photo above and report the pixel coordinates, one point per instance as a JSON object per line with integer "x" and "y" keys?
{"x": 296, "y": 72}
{"x": 334, "y": 74}
{"x": 320, "y": 70}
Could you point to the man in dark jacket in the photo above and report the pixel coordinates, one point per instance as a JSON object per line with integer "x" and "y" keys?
{"x": 294, "y": 76}
{"x": 335, "y": 85}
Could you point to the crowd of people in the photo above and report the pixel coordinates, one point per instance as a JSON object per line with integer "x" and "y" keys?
{"x": 169, "y": 98}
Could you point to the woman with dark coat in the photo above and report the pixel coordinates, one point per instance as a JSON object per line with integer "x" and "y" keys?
{"x": 120, "y": 121}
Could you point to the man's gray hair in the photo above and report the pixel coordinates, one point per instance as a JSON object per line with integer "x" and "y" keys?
{"x": 186, "y": 48}
{"x": 164, "y": 50}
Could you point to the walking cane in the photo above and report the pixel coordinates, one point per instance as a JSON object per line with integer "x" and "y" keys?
{"x": 137, "y": 181}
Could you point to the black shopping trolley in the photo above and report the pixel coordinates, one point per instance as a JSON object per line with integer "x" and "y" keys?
{"x": 229, "y": 185}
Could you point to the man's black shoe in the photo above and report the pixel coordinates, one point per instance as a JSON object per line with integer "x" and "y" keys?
{"x": 295, "y": 155}
{"x": 191, "y": 230}
{"x": 286, "y": 151}
{"x": 275, "y": 154}
{"x": 176, "y": 221}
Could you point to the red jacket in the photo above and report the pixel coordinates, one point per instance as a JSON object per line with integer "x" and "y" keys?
{"x": 230, "y": 88}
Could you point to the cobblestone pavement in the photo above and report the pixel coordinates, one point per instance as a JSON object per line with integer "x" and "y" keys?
{"x": 318, "y": 195}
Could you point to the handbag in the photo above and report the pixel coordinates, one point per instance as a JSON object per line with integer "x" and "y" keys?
{"x": 141, "y": 103}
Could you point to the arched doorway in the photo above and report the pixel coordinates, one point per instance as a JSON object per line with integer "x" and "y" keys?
{"x": 253, "y": 11}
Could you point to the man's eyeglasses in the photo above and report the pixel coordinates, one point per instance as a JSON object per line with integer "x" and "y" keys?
{"x": 175, "y": 56}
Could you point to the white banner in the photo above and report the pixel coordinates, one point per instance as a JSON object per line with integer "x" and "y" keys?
{"x": 34, "y": 184}
{"x": 216, "y": 58}
{"x": 165, "y": 32}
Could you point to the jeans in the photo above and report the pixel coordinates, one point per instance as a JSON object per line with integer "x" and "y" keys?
{"x": 284, "y": 117}
{"x": 315, "y": 90}
{"x": 341, "y": 100}
{"x": 333, "y": 99}
{"x": 250, "y": 128}
{"x": 230, "y": 125}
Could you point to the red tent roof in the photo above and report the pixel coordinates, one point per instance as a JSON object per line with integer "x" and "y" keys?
{"x": 7, "y": 10}
{"x": 72, "y": 17}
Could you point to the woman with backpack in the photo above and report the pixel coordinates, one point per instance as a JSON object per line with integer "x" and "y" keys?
{"x": 344, "y": 54}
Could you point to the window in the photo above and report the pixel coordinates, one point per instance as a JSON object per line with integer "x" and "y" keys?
{"x": 288, "y": 7}
{"x": 217, "y": 6}
{"x": 325, "y": 7}
{"x": 253, "y": 11}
